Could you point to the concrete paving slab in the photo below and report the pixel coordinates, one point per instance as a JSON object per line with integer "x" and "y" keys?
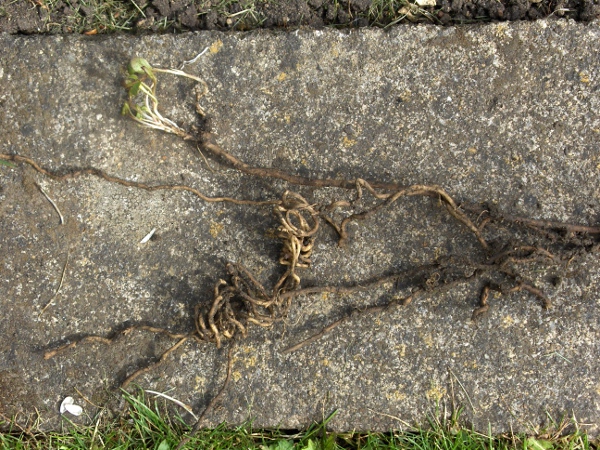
{"x": 507, "y": 114}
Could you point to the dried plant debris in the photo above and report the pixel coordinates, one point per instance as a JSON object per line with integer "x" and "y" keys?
{"x": 506, "y": 244}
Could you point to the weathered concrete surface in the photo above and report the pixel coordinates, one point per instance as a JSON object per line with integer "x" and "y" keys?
{"x": 507, "y": 113}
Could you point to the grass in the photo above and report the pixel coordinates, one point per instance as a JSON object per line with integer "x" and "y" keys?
{"x": 89, "y": 16}
{"x": 144, "y": 426}
{"x": 109, "y": 16}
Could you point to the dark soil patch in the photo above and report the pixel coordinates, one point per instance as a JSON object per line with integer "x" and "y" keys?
{"x": 94, "y": 16}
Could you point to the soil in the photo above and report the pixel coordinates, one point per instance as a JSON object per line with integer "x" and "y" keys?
{"x": 189, "y": 15}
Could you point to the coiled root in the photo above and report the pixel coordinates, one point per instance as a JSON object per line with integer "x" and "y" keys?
{"x": 243, "y": 300}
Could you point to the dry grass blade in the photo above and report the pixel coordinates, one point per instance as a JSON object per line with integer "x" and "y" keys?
{"x": 60, "y": 216}
{"x": 62, "y": 279}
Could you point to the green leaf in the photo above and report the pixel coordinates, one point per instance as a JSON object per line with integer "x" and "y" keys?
{"x": 139, "y": 66}
{"x": 125, "y": 110}
{"x": 279, "y": 445}
{"x": 310, "y": 445}
{"x": 538, "y": 444}
{"x": 134, "y": 88}
{"x": 130, "y": 80}
{"x": 164, "y": 445}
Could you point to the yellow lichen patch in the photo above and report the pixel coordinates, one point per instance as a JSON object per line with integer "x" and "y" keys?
{"x": 286, "y": 117}
{"x": 436, "y": 392}
{"x": 83, "y": 261}
{"x": 348, "y": 142}
{"x": 282, "y": 76}
{"x": 427, "y": 339}
{"x": 215, "y": 229}
{"x": 250, "y": 362}
{"x": 472, "y": 150}
{"x": 507, "y": 321}
{"x": 215, "y": 46}
{"x": 584, "y": 77}
{"x": 500, "y": 30}
{"x": 405, "y": 96}
{"x": 199, "y": 383}
{"x": 401, "y": 350}
{"x": 396, "y": 395}
{"x": 236, "y": 375}
{"x": 472, "y": 364}
{"x": 325, "y": 362}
